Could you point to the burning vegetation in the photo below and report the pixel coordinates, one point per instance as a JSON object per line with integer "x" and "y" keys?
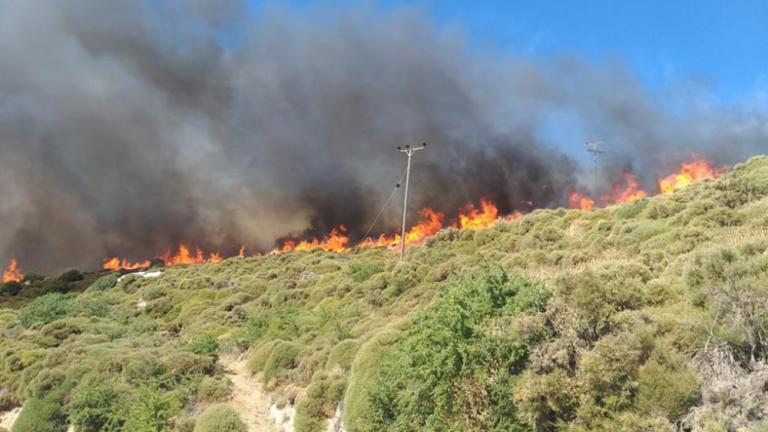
{"x": 12, "y": 273}
{"x": 469, "y": 217}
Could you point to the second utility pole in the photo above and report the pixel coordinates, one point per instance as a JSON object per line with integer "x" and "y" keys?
{"x": 409, "y": 151}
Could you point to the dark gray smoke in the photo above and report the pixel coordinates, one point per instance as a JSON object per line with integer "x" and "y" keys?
{"x": 128, "y": 127}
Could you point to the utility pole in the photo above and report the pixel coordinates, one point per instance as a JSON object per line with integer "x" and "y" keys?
{"x": 408, "y": 150}
{"x": 595, "y": 149}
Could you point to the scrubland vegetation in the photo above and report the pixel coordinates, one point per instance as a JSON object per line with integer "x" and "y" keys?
{"x": 651, "y": 316}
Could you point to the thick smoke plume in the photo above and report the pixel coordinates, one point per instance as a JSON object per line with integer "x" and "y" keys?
{"x": 128, "y": 127}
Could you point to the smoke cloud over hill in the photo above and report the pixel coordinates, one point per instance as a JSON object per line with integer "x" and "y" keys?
{"x": 128, "y": 127}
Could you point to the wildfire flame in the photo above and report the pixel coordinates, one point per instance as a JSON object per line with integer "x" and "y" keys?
{"x": 431, "y": 221}
{"x": 184, "y": 256}
{"x": 580, "y": 201}
{"x": 116, "y": 263}
{"x": 12, "y": 273}
{"x": 627, "y": 192}
{"x": 471, "y": 217}
{"x": 336, "y": 241}
{"x": 689, "y": 172}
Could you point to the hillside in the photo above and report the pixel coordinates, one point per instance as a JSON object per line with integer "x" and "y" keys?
{"x": 650, "y": 316}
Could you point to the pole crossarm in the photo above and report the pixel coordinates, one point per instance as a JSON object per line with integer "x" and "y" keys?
{"x": 409, "y": 151}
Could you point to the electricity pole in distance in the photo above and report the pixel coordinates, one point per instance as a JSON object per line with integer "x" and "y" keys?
{"x": 408, "y": 150}
{"x": 596, "y": 151}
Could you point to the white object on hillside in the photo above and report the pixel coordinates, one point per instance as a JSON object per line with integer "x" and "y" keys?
{"x": 144, "y": 274}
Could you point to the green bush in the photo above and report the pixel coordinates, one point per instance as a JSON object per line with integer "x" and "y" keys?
{"x": 214, "y": 389}
{"x": 204, "y": 345}
{"x": 152, "y": 411}
{"x": 362, "y": 271}
{"x": 342, "y": 355}
{"x": 96, "y": 407}
{"x": 259, "y": 357}
{"x": 11, "y": 288}
{"x": 453, "y": 371}
{"x": 46, "y": 309}
{"x": 662, "y": 390}
{"x": 282, "y": 358}
{"x": 105, "y": 282}
{"x": 98, "y": 307}
{"x": 319, "y": 404}
{"x": 71, "y": 276}
{"x": 220, "y": 418}
{"x": 44, "y": 414}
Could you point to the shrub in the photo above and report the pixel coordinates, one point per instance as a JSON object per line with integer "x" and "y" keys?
{"x": 259, "y": 357}
{"x": 152, "y": 410}
{"x": 71, "y": 276}
{"x": 666, "y": 391}
{"x": 319, "y": 404}
{"x": 95, "y": 308}
{"x": 220, "y": 418}
{"x": 105, "y": 282}
{"x": 546, "y": 400}
{"x": 452, "y": 372}
{"x": 282, "y": 357}
{"x": 11, "y": 288}
{"x": 214, "y": 389}
{"x": 342, "y": 354}
{"x": 46, "y": 309}
{"x": 96, "y": 407}
{"x": 8, "y": 401}
{"x": 44, "y": 414}
{"x": 204, "y": 345}
{"x": 362, "y": 271}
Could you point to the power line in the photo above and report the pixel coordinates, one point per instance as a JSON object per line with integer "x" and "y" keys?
{"x": 596, "y": 151}
{"x": 408, "y": 150}
{"x": 381, "y": 211}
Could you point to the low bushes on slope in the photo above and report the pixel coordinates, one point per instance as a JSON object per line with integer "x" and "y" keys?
{"x": 456, "y": 367}
{"x": 220, "y": 418}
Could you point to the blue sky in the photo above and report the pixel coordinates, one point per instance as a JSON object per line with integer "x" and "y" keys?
{"x": 719, "y": 46}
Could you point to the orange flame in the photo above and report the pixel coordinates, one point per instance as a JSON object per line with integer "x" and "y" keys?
{"x": 431, "y": 222}
{"x": 336, "y": 241}
{"x": 12, "y": 273}
{"x": 629, "y": 192}
{"x": 580, "y": 201}
{"x": 184, "y": 256}
{"x": 689, "y": 172}
{"x": 473, "y": 218}
{"x": 115, "y": 264}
